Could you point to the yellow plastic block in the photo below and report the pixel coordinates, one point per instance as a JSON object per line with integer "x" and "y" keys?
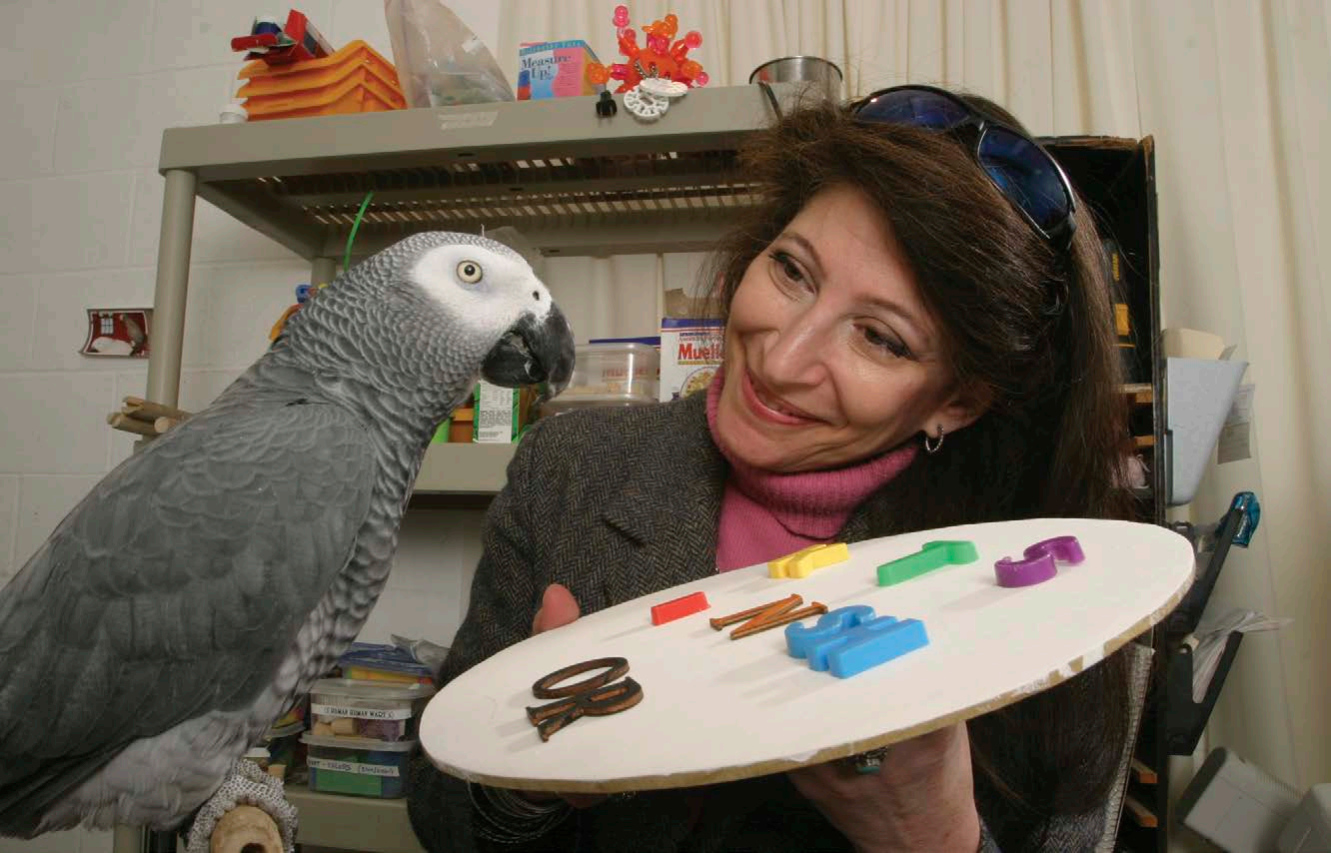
{"x": 806, "y": 561}
{"x": 364, "y": 674}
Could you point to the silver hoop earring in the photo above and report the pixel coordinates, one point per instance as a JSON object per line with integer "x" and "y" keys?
{"x": 933, "y": 448}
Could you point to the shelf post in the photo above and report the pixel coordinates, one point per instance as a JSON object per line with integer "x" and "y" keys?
{"x": 167, "y": 335}
{"x": 126, "y": 839}
{"x": 322, "y": 271}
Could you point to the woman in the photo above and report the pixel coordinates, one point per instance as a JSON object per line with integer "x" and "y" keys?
{"x": 918, "y": 335}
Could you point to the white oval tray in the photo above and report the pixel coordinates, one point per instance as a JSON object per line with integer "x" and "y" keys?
{"x": 716, "y": 709}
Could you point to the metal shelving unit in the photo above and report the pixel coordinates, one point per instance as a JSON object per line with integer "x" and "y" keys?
{"x": 571, "y": 182}
{"x": 352, "y": 823}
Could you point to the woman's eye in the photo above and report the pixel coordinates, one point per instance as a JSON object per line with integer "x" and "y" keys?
{"x": 886, "y": 343}
{"x": 790, "y": 270}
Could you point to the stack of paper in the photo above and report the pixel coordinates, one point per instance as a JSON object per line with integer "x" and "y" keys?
{"x": 1210, "y": 639}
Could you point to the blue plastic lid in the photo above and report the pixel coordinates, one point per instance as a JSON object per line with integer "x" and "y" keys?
{"x": 681, "y": 323}
{"x": 652, "y": 341}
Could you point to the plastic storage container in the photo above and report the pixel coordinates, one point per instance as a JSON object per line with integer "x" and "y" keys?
{"x": 358, "y": 766}
{"x": 619, "y": 374}
{"x": 351, "y": 708}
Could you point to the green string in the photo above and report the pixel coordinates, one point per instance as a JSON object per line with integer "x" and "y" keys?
{"x": 355, "y": 226}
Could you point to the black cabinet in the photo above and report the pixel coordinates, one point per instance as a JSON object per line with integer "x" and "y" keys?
{"x": 1116, "y": 179}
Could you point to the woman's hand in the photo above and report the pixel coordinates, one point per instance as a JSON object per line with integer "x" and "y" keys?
{"x": 922, "y": 798}
{"x": 558, "y": 608}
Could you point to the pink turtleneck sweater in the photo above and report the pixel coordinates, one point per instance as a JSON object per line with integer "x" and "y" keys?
{"x": 766, "y": 515}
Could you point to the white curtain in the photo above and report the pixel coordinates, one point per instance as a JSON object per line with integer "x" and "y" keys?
{"x": 1236, "y": 94}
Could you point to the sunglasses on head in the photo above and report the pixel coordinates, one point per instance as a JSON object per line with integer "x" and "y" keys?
{"x": 1021, "y": 170}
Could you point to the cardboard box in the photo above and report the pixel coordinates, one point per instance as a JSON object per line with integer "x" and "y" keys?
{"x": 554, "y": 69}
{"x": 691, "y": 351}
{"x": 501, "y": 414}
{"x": 496, "y": 414}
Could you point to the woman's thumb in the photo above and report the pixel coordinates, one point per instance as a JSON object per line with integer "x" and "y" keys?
{"x": 558, "y": 608}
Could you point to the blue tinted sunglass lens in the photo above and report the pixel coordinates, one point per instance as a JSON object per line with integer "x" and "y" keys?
{"x": 1026, "y": 174}
{"x": 917, "y": 107}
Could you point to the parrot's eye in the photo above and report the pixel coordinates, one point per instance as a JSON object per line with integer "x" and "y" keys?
{"x": 469, "y": 271}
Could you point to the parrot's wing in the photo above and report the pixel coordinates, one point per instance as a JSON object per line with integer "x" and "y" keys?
{"x": 174, "y": 588}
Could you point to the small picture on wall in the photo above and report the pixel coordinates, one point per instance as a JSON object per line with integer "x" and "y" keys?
{"x": 119, "y": 332}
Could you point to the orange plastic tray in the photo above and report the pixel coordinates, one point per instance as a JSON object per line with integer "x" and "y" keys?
{"x": 362, "y": 93}
{"x": 352, "y": 80}
{"x": 283, "y": 99}
{"x": 268, "y": 86}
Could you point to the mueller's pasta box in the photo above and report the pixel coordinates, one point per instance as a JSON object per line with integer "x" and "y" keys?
{"x": 690, "y": 355}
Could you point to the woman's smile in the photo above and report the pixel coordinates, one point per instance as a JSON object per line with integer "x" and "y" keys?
{"x": 769, "y": 407}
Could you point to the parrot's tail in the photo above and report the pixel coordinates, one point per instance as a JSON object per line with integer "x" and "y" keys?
{"x": 30, "y": 786}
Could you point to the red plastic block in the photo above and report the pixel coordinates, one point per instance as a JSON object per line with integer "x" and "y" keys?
{"x": 678, "y": 608}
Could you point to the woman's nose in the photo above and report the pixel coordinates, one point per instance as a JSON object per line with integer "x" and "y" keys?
{"x": 796, "y": 353}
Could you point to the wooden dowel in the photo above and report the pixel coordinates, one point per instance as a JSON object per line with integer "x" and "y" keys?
{"x": 161, "y": 425}
{"x": 150, "y": 411}
{"x": 124, "y": 422}
{"x": 776, "y": 608}
{"x": 1143, "y": 774}
{"x": 748, "y": 630}
{"x": 1139, "y": 393}
{"x": 137, "y": 414}
{"x": 1141, "y": 815}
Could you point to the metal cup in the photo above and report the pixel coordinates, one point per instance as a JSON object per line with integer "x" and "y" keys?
{"x": 822, "y": 76}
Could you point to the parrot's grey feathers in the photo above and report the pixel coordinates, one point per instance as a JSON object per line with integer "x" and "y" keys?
{"x": 197, "y": 563}
{"x": 211, "y": 578}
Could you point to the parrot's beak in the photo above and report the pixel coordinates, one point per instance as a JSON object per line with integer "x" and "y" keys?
{"x": 533, "y": 352}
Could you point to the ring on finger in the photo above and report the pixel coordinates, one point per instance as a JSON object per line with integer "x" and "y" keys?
{"x": 869, "y": 762}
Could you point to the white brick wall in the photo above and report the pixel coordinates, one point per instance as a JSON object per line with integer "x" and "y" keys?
{"x": 85, "y": 92}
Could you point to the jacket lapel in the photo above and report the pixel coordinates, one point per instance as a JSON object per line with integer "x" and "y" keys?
{"x": 856, "y": 527}
{"x": 667, "y": 509}
{"x": 669, "y": 506}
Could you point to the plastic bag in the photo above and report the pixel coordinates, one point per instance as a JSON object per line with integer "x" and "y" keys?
{"x": 440, "y": 62}
{"x": 428, "y": 653}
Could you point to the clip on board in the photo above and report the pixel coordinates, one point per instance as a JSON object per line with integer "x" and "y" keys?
{"x": 1235, "y": 528}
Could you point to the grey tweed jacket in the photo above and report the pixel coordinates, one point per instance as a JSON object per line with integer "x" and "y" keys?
{"x": 615, "y": 504}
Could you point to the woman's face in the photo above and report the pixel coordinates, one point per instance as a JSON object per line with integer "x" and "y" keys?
{"x": 830, "y": 355}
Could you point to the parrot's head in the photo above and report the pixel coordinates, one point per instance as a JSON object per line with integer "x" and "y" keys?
{"x": 436, "y": 311}
{"x": 487, "y": 292}
{"x": 491, "y": 292}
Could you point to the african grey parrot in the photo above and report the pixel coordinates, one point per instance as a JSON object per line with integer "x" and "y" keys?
{"x": 209, "y": 579}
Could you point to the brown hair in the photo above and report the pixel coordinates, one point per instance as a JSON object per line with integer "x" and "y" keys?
{"x": 1030, "y": 327}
